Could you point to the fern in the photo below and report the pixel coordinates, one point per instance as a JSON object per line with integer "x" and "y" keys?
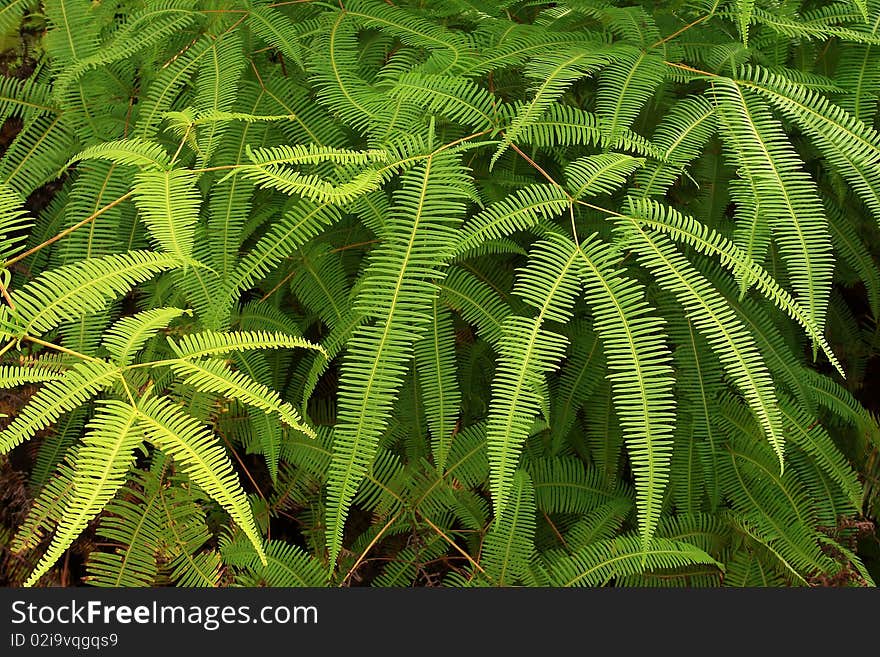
{"x": 467, "y": 293}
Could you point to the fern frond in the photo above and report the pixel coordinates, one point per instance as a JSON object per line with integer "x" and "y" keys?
{"x": 212, "y": 375}
{"x": 787, "y": 194}
{"x": 604, "y": 561}
{"x": 397, "y": 291}
{"x": 528, "y": 352}
{"x": 600, "y": 174}
{"x": 634, "y": 346}
{"x": 71, "y": 291}
{"x": 133, "y": 151}
{"x": 79, "y": 384}
{"x": 102, "y": 462}
{"x": 213, "y": 343}
{"x": 712, "y": 317}
{"x": 169, "y": 202}
{"x": 14, "y": 221}
{"x": 435, "y": 361}
{"x": 196, "y": 449}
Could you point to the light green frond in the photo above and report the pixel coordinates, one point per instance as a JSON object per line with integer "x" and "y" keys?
{"x": 787, "y": 194}
{"x": 134, "y": 151}
{"x": 705, "y": 240}
{"x": 509, "y": 546}
{"x": 71, "y": 291}
{"x": 521, "y": 210}
{"x": 214, "y": 343}
{"x": 551, "y": 75}
{"x": 79, "y": 384}
{"x": 128, "y": 335}
{"x": 435, "y": 361}
{"x": 102, "y": 463}
{"x": 212, "y": 375}
{"x": 200, "y": 455}
{"x": 398, "y": 291}
{"x": 12, "y": 376}
{"x": 624, "y": 87}
{"x": 600, "y": 174}
{"x": 14, "y": 221}
{"x": 169, "y": 202}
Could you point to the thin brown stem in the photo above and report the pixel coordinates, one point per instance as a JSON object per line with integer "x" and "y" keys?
{"x": 685, "y": 67}
{"x": 454, "y": 545}
{"x": 539, "y": 169}
{"x": 59, "y": 348}
{"x": 684, "y": 29}
{"x": 278, "y": 287}
{"x": 6, "y": 296}
{"x": 369, "y": 547}
{"x": 68, "y": 231}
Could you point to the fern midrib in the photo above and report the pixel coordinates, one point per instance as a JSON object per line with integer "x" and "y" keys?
{"x": 362, "y": 412}
{"x": 336, "y": 72}
{"x": 719, "y": 325}
{"x": 618, "y": 105}
{"x": 525, "y": 362}
{"x": 651, "y": 474}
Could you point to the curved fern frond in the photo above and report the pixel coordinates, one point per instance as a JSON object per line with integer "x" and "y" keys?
{"x": 712, "y": 317}
{"x": 604, "y": 561}
{"x": 197, "y": 451}
{"x": 214, "y": 343}
{"x": 102, "y": 462}
{"x": 211, "y": 375}
{"x": 787, "y": 194}
{"x": 71, "y": 291}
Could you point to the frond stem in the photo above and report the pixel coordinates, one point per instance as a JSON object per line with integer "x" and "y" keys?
{"x": 68, "y": 231}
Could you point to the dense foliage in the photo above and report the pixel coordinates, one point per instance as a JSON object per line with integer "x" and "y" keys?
{"x": 471, "y": 292}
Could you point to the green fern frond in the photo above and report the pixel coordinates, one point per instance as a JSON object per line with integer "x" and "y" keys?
{"x": 787, "y": 194}
{"x": 196, "y": 449}
{"x": 169, "y": 202}
{"x": 79, "y": 384}
{"x": 212, "y": 375}
{"x": 102, "y": 462}
{"x": 604, "y": 561}
{"x": 134, "y": 151}
{"x": 71, "y": 291}
{"x": 600, "y": 174}
{"x": 213, "y": 343}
